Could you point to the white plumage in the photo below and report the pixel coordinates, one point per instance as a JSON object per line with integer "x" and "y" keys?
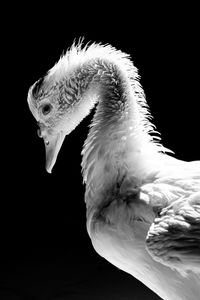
{"x": 143, "y": 206}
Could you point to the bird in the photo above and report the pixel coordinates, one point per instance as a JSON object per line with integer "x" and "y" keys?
{"x": 142, "y": 203}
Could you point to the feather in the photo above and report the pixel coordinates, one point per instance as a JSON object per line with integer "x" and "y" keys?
{"x": 143, "y": 206}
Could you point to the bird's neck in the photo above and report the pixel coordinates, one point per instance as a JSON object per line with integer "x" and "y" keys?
{"x": 120, "y": 127}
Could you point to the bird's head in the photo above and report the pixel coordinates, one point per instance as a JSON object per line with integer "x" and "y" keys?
{"x": 54, "y": 116}
{"x": 58, "y": 105}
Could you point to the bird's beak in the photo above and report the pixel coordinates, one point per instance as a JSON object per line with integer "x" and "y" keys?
{"x": 53, "y": 146}
{"x": 53, "y": 143}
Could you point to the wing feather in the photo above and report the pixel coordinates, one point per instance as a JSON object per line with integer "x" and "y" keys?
{"x": 174, "y": 237}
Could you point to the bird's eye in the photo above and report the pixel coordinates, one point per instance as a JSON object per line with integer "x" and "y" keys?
{"x": 46, "y": 109}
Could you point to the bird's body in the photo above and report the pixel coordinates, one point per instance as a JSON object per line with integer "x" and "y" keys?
{"x": 143, "y": 206}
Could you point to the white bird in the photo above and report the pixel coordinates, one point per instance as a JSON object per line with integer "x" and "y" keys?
{"x": 143, "y": 206}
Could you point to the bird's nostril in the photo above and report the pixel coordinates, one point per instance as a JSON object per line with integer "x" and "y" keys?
{"x": 39, "y": 133}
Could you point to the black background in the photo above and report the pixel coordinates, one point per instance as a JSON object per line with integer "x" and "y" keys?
{"x": 46, "y": 252}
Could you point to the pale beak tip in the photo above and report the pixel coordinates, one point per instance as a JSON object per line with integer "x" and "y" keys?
{"x": 49, "y": 169}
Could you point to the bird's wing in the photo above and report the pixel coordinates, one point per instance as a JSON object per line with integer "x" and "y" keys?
{"x": 174, "y": 236}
